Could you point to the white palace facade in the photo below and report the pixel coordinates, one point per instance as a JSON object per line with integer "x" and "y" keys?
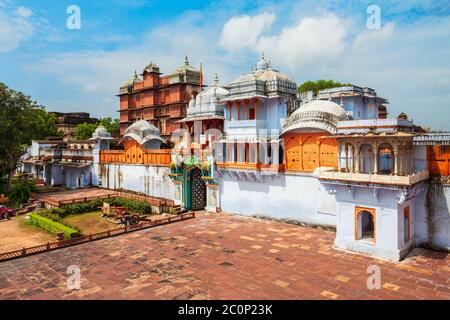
{"x": 335, "y": 159}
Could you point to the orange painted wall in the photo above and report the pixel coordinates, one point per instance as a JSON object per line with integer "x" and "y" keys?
{"x": 438, "y": 160}
{"x": 306, "y": 152}
{"x": 134, "y": 154}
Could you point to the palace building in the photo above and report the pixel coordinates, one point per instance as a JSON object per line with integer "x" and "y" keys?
{"x": 161, "y": 100}
{"x": 337, "y": 159}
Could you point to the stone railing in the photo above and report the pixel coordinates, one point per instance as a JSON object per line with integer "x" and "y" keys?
{"x": 373, "y": 178}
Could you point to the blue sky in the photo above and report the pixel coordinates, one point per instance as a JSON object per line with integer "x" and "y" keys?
{"x": 406, "y": 60}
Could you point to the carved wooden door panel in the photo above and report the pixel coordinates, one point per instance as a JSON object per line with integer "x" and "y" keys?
{"x": 198, "y": 191}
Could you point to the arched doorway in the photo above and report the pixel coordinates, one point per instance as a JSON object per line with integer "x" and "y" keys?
{"x": 365, "y": 224}
{"x": 194, "y": 189}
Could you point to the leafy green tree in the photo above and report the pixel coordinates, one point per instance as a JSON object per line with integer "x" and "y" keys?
{"x": 84, "y": 131}
{"x": 318, "y": 85}
{"x": 21, "y": 120}
{"x": 112, "y": 125}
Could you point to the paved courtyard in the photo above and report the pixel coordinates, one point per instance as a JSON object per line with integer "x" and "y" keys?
{"x": 221, "y": 256}
{"x": 74, "y": 194}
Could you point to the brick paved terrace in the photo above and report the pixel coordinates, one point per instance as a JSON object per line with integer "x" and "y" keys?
{"x": 222, "y": 256}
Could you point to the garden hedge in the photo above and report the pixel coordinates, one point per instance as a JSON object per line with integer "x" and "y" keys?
{"x": 132, "y": 205}
{"x": 52, "y": 226}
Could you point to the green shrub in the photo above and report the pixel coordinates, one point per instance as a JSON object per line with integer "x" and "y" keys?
{"x": 56, "y": 215}
{"x": 52, "y": 226}
{"x": 132, "y": 205}
{"x": 77, "y": 208}
{"x": 21, "y": 189}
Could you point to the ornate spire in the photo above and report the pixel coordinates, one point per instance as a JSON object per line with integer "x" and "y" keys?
{"x": 216, "y": 80}
{"x": 262, "y": 64}
{"x": 135, "y": 76}
{"x": 186, "y": 61}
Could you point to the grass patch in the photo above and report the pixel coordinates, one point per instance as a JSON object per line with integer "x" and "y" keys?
{"x": 90, "y": 223}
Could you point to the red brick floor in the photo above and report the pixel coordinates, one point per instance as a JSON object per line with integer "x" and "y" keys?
{"x": 223, "y": 256}
{"x": 74, "y": 194}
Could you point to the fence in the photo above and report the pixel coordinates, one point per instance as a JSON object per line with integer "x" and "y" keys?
{"x": 92, "y": 237}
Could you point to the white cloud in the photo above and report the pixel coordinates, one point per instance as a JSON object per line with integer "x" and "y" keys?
{"x": 24, "y": 12}
{"x": 15, "y": 29}
{"x": 243, "y": 32}
{"x": 311, "y": 40}
{"x": 371, "y": 38}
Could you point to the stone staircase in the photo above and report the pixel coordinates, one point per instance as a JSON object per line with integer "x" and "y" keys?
{"x": 28, "y": 207}
{"x": 178, "y": 209}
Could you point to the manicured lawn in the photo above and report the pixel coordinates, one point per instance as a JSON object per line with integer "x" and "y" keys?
{"x": 91, "y": 222}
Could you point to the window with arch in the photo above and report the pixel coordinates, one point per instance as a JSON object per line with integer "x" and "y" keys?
{"x": 365, "y": 224}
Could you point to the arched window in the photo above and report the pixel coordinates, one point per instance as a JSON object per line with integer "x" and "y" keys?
{"x": 386, "y": 159}
{"x": 366, "y": 158}
{"x": 365, "y": 224}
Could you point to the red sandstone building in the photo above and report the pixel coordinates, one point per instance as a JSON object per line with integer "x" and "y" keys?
{"x": 161, "y": 100}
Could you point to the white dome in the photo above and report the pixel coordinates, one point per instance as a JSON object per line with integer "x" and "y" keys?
{"x": 142, "y": 131}
{"x": 205, "y": 101}
{"x": 322, "y": 106}
{"x": 317, "y": 115}
{"x": 101, "y": 133}
{"x": 263, "y": 80}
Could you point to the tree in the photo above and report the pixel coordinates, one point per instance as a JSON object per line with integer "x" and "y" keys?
{"x": 112, "y": 125}
{"x": 21, "y": 120}
{"x": 318, "y": 85}
{"x": 84, "y": 131}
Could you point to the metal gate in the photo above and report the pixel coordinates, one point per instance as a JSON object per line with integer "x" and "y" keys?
{"x": 198, "y": 191}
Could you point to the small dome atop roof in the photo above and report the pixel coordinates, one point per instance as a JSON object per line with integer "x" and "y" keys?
{"x": 316, "y": 114}
{"x": 327, "y": 106}
{"x": 262, "y": 64}
{"x": 205, "y": 101}
{"x": 151, "y": 67}
{"x": 185, "y": 67}
{"x": 265, "y": 80}
{"x": 101, "y": 133}
{"x": 135, "y": 78}
{"x": 142, "y": 131}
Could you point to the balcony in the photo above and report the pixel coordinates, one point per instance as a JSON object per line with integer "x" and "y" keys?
{"x": 349, "y": 177}
{"x": 380, "y": 125}
{"x": 246, "y": 128}
{"x": 85, "y": 155}
{"x": 51, "y": 154}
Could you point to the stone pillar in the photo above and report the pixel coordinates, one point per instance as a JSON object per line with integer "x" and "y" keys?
{"x": 396, "y": 158}
{"x": 339, "y": 156}
{"x": 402, "y": 159}
{"x": 356, "y": 160}
{"x": 411, "y": 160}
{"x": 375, "y": 158}
{"x": 346, "y": 158}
